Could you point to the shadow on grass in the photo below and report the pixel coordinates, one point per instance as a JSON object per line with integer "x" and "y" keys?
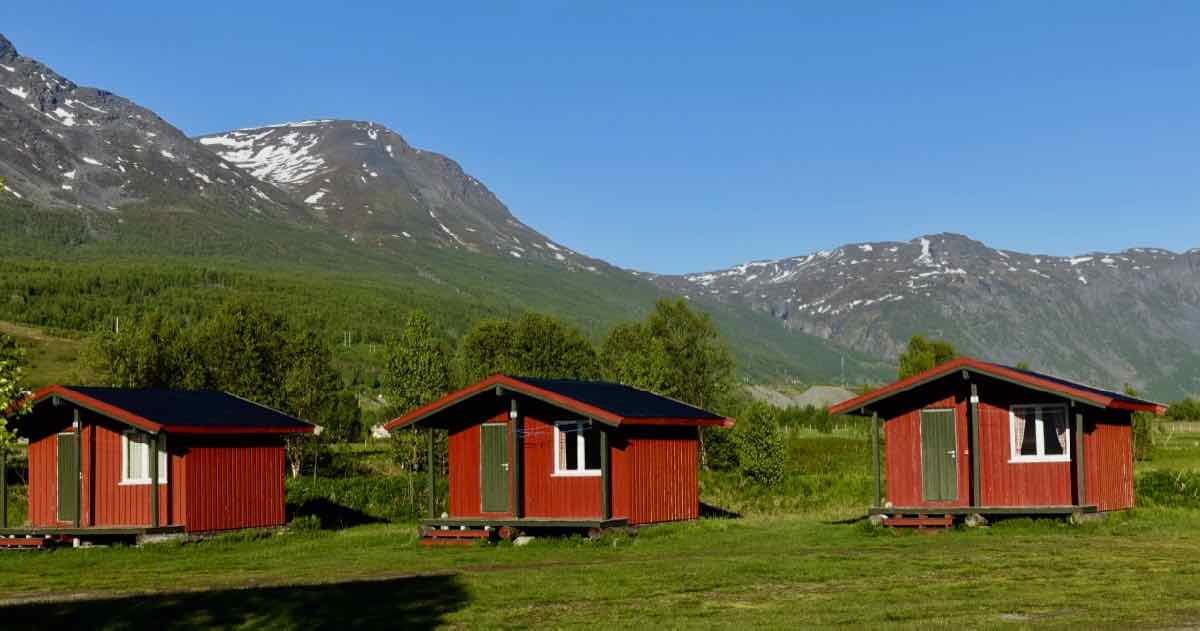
{"x": 419, "y": 602}
{"x": 708, "y": 511}
{"x": 333, "y": 516}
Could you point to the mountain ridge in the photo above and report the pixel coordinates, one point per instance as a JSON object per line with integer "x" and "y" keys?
{"x": 1140, "y": 307}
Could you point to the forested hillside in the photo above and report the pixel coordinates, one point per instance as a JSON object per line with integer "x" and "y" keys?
{"x": 81, "y": 272}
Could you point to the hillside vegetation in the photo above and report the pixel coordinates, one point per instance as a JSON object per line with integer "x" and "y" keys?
{"x": 81, "y": 272}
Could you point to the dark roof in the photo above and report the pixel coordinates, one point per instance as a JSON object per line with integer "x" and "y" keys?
{"x": 619, "y": 399}
{"x": 1116, "y": 396}
{"x": 610, "y": 403}
{"x": 198, "y": 410}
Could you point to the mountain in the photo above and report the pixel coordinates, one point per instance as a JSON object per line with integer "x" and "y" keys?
{"x": 63, "y": 145}
{"x": 370, "y": 185}
{"x": 111, "y": 212}
{"x": 1108, "y": 318}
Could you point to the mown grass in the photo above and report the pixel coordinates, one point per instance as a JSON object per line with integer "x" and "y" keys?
{"x": 1132, "y": 570}
{"x": 788, "y": 562}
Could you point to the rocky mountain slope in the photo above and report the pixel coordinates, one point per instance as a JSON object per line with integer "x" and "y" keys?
{"x": 63, "y": 145}
{"x": 372, "y": 186}
{"x": 1109, "y": 318}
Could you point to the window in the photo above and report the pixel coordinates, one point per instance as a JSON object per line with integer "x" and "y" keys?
{"x": 135, "y": 459}
{"x": 576, "y": 448}
{"x": 1040, "y": 433}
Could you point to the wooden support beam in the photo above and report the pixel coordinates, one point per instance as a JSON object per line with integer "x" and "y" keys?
{"x": 976, "y": 461}
{"x": 78, "y": 424}
{"x": 1080, "y": 470}
{"x": 154, "y": 481}
{"x": 518, "y": 441}
{"x": 605, "y": 477}
{"x": 875, "y": 455}
{"x": 3, "y": 487}
{"x": 430, "y": 465}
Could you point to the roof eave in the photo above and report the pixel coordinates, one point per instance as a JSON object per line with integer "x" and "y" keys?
{"x": 97, "y": 406}
{"x": 997, "y": 372}
{"x": 501, "y": 383}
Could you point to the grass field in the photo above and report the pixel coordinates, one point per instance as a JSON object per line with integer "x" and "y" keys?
{"x": 790, "y": 562}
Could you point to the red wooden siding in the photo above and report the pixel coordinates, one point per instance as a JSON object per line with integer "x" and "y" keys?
{"x": 548, "y": 495}
{"x": 234, "y": 483}
{"x": 903, "y": 453}
{"x": 654, "y": 470}
{"x": 663, "y": 470}
{"x": 109, "y": 503}
{"x": 1005, "y": 483}
{"x": 1107, "y": 449}
{"x": 1108, "y": 460}
{"x": 43, "y": 475}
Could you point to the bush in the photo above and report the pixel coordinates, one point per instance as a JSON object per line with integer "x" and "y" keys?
{"x": 760, "y": 446}
{"x": 1143, "y": 436}
{"x": 305, "y": 523}
{"x": 1169, "y": 489}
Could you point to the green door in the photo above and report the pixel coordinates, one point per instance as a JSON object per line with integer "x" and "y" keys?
{"x": 68, "y": 478}
{"x": 939, "y": 465}
{"x": 493, "y": 465}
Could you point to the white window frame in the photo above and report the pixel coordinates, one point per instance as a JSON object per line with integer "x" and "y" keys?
{"x": 163, "y": 460}
{"x": 580, "y": 425}
{"x": 1039, "y": 427}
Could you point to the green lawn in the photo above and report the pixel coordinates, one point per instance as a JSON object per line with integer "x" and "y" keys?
{"x": 795, "y": 560}
{"x": 1133, "y": 570}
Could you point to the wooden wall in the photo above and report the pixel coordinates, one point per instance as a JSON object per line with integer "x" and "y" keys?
{"x": 654, "y": 469}
{"x": 234, "y": 483}
{"x": 1108, "y": 456}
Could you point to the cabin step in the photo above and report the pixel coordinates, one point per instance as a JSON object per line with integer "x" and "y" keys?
{"x": 920, "y": 521}
{"x": 31, "y": 543}
{"x": 453, "y": 536}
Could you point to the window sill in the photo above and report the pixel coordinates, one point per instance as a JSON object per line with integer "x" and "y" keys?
{"x": 145, "y": 482}
{"x": 576, "y": 474}
{"x": 1039, "y": 459}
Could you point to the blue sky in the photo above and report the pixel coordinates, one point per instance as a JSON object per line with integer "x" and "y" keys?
{"x": 693, "y": 136}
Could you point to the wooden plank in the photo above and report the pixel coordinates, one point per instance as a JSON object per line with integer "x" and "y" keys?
{"x": 3, "y": 487}
{"x": 527, "y": 522}
{"x": 983, "y": 510}
{"x": 153, "y": 448}
{"x": 518, "y": 455}
{"x": 1080, "y": 471}
{"x": 78, "y": 467}
{"x": 92, "y": 530}
{"x": 431, "y": 469}
{"x": 605, "y": 477}
{"x": 875, "y": 455}
{"x": 976, "y": 460}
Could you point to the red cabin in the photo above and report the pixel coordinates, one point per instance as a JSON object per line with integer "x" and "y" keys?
{"x": 219, "y": 462}
{"x": 971, "y": 437}
{"x": 527, "y": 453}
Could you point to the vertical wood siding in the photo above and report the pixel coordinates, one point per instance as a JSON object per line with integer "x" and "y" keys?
{"x": 903, "y": 435}
{"x": 1007, "y": 483}
{"x": 654, "y": 470}
{"x": 663, "y": 469}
{"x": 1108, "y": 460}
{"x": 109, "y": 503}
{"x": 43, "y": 462}
{"x": 1107, "y": 449}
{"x": 548, "y": 495}
{"x": 233, "y": 483}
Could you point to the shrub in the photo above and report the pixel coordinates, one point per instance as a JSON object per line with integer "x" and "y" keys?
{"x": 760, "y": 446}
{"x": 1170, "y": 489}
{"x": 305, "y": 523}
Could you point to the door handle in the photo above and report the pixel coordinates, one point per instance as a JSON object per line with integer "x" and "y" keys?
{"x": 952, "y": 453}
{"x": 505, "y": 465}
